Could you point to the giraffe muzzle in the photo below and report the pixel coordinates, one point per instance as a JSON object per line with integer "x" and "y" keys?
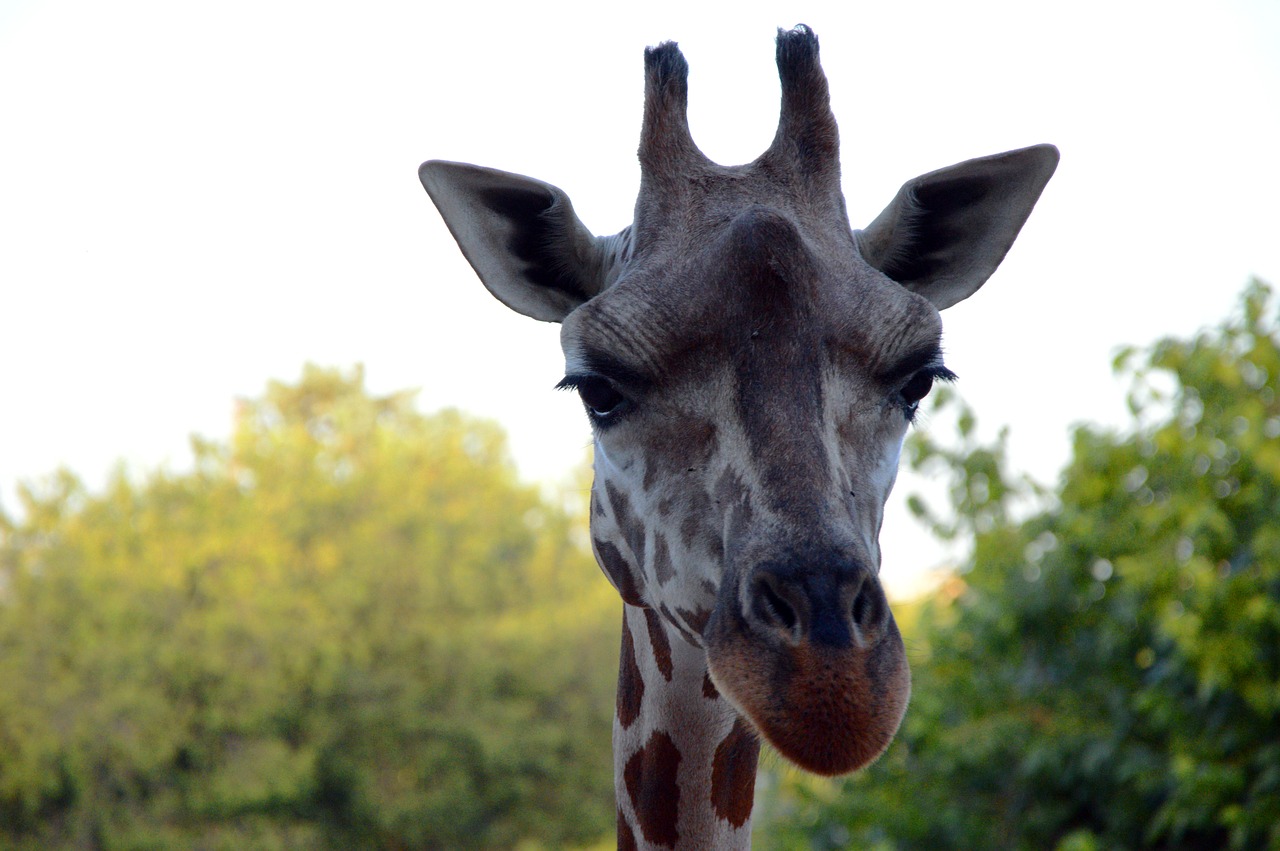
{"x": 813, "y": 659}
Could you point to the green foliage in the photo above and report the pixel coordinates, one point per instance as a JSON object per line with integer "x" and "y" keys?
{"x": 351, "y": 627}
{"x": 1104, "y": 673}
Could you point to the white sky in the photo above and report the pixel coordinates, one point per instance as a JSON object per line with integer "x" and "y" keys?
{"x": 196, "y": 198}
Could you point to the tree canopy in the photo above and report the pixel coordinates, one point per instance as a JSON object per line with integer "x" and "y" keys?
{"x": 1104, "y": 669}
{"x": 349, "y": 626}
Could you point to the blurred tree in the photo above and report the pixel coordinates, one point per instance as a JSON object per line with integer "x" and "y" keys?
{"x": 351, "y": 627}
{"x": 1106, "y": 672}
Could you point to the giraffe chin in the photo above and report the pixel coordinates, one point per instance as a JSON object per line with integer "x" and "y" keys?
{"x": 828, "y": 710}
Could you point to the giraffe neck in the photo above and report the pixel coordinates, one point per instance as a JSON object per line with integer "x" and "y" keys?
{"x": 684, "y": 760}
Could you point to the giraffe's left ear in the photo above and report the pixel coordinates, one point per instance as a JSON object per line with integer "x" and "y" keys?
{"x": 522, "y": 238}
{"x": 947, "y": 231}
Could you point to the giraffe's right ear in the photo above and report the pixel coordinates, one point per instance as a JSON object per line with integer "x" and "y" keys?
{"x": 522, "y": 238}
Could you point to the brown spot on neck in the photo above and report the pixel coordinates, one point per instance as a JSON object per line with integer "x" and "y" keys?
{"x": 661, "y": 645}
{"x": 650, "y": 777}
{"x": 630, "y": 683}
{"x": 709, "y": 690}
{"x": 626, "y": 838}
{"x": 733, "y": 774}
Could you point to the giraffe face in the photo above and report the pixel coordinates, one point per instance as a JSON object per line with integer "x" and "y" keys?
{"x": 748, "y": 402}
{"x": 750, "y": 366}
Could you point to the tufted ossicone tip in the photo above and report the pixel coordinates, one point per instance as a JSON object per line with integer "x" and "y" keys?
{"x": 807, "y": 142}
{"x": 667, "y": 150}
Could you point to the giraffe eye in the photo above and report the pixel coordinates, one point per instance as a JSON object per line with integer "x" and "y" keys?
{"x": 919, "y": 385}
{"x": 917, "y": 388}
{"x": 602, "y": 401}
{"x": 599, "y": 396}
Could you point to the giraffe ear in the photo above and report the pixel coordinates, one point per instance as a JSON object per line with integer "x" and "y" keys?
{"x": 947, "y": 231}
{"x": 521, "y": 236}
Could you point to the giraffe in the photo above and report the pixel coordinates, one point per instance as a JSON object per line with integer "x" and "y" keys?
{"x": 749, "y": 365}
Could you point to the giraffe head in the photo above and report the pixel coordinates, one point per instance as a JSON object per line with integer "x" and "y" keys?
{"x": 750, "y": 366}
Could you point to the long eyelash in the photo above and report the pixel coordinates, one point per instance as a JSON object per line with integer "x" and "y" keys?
{"x": 571, "y": 382}
{"x": 940, "y": 373}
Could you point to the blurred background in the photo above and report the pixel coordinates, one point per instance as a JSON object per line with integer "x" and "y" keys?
{"x": 291, "y": 521}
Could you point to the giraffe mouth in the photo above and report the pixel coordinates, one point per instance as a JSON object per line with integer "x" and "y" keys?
{"x": 830, "y": 710}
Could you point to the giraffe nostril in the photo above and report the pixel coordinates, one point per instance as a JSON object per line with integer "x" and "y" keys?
{"x": 869, "y": 613}
{"x": 863, "y": 607}
{"x": 772, "y": 608}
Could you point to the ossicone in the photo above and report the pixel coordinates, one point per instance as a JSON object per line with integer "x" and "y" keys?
{"x": 666, "y": 146}
{"x": 807, "y": 142}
